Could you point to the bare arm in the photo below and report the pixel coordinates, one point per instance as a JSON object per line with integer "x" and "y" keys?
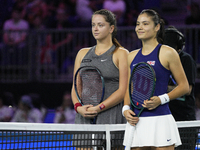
{"x": 169, "y": 58}
{"x": 171, "y": 87}
{"x": 176, "y": 68}
{"x": 83, "y": 110}
{"x": 129, "y": 114}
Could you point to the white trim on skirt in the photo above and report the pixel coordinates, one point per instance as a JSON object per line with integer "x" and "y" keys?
{"x": 156, "y": 131}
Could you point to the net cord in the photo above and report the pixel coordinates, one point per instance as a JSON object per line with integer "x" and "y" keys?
{"x": 80, "y": 127}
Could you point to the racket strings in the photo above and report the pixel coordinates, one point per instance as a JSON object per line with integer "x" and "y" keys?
{"x": 141, "y": 85}
{"x": 89, "y": 86}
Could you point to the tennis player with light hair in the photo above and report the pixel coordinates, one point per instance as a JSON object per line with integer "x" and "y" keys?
{"x": 155, "y": 128}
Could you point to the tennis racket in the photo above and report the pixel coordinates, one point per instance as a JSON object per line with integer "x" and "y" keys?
{"x": 141, "y": 87}
{"x": 89, "y": 86}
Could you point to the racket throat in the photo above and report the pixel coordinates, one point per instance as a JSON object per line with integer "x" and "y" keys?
{"x": 140, "y": 112}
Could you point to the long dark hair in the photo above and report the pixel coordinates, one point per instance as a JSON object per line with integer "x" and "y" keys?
{"x": 111, "y": 19}
{"x": 157, "y": 20}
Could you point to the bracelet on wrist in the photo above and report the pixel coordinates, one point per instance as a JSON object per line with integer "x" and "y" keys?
{"x": 125, "y": 107}
{"x": 102, "y": 106}
{"x": 76, "y": 106}
{"x": 164, "y": 99}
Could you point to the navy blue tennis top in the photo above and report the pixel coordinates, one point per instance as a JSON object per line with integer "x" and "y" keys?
{"x": 162, "y": 78}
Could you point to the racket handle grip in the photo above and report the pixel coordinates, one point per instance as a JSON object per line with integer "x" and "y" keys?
{"x": 130, "y": 137}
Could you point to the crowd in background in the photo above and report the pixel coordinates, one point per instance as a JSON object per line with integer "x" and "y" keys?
{"x": 40, "y": 14}
{"x": 29, "y": 108}
{"x": 77, "y": 13}
{"x": 18, "y": 16}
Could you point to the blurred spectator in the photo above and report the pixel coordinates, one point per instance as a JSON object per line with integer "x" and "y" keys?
{"x": 194, "y": 17}
{"x": 61, "y": 19}
{"x": 21, "y": 4}
{"x": 37, "y": 38}
{"x": 71, "y": 10}
{"x": 6, "y": 110}
{"x": 14, "y": 37}
{"x": 84, "y": 12}
{"x": 37, "y": 103}
{"x": 47, "y": 53}
{"x": 118, "y": 7}
{"x": 58, "y": 43}
{"x": 26, "y": 112}
{"x": 35, "y": 8}
{"x": 51, "y": 9}
{"x": 65, "y": 113}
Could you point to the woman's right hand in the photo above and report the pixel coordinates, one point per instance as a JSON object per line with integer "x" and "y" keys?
{"x": 131, "y": 117}
{"x": 83, "y": 110}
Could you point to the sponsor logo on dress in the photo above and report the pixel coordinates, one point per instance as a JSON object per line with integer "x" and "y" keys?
{"x": 152, "y": 63}
{"x": 134, "y": 65}
{"x": 102, "y": 60}
{"x": 86, "y": 60}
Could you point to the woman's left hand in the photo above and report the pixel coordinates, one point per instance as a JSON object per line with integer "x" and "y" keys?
{"x": 94, "y": 108}
{"x": 152, "y": 103}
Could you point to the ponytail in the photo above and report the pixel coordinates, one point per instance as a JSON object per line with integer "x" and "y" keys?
{"x": 116, "y": 43}
{"x": 160, "y": 34}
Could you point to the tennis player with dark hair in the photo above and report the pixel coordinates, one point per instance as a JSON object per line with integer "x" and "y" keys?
{"x": 182, "y": 108}
{"x": 155, "y": 128}
{"x": 111, "y": 59}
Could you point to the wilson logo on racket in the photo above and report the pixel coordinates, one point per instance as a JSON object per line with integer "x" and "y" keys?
{"x": 142, "y": 84}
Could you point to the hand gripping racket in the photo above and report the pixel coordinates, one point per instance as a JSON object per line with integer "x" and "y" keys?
{"x": 141, "y": 87}
{"x": 89, "y": 86}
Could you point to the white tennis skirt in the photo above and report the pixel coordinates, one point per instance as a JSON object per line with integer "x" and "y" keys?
{"x": 156, "y": 131}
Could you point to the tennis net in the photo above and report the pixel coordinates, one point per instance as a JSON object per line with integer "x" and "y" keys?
{"x": 43, "y": 136}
